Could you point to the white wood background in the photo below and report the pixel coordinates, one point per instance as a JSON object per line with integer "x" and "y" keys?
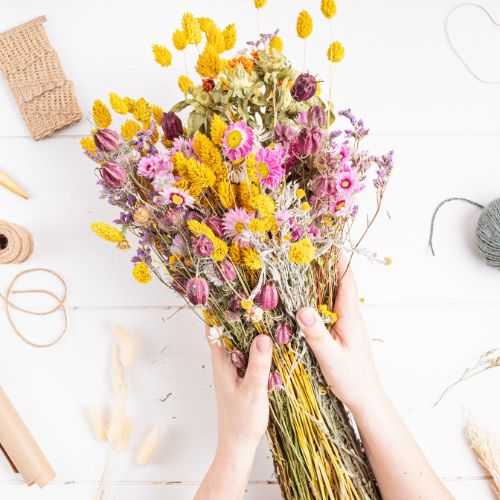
{"x": 435, "y": 316}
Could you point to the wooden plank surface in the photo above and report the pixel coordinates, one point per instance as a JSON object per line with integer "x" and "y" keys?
{"x": 429, "y": 317}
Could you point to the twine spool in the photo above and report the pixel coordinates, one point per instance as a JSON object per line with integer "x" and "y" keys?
{"x": 487, "y": 230}
{"x": 16, "y": 243}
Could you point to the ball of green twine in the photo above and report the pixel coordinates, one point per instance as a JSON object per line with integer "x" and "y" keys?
{"x": 487, "y": 230}
{"x": 488, "y": 234}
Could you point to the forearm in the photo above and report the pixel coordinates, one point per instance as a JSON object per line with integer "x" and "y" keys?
{"x": 228, "y": 475}
{"x": 400, "y": 467}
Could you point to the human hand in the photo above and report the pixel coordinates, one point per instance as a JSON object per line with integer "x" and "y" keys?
{"x": 344, "y": 353}
{"x": 242, "y": 403}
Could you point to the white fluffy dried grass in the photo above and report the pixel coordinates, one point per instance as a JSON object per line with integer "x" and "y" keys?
{"x": 149, "y": 447}
{"x": 486, "y": 448}
{"x": 126, "y": 346}
{"x": 98, "y": 423}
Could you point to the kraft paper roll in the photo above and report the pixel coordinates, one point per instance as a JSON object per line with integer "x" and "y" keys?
{"x": 16, "y": 243}
{"x": 20, "y": 448}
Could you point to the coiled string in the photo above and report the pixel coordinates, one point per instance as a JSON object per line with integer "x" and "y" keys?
{"x": 59, "y": 306}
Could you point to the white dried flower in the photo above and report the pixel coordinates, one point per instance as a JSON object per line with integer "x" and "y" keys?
{"x": 126, "y": 346}
{"x": 98, "y": 423}
{"x": 149, "y": 447}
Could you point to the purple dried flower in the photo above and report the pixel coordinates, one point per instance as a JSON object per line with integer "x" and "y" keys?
{"x": 215, "y": 224}
{"x": 197, "y": 291}
{"x": 238, "y": 359}
{"x": 106, "y": 139}
{"x": 267, "y": 298}
{"x": 171, "y": 125}
{"x": 234, "y": 303}
{"x": 179, "y": 284}
{"x": 316, "y": 116}
{"x": 227, "y": 270}
{"x": 283, "y": 334}
{"x": 310, "y": 140}
{"x": 283, "y": 134}
{"x": 202, "y": 246}
{"x": 113, "y": 175}
{"x": 304, "y": 87}
{"x": 171, "y": 218}
{"x": 275, "y": 381}
{"x": 323, "y": 186}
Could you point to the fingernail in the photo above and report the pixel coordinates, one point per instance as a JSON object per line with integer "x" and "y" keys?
{"x": 306, "y": 316}
{"x": 263, "y": 343}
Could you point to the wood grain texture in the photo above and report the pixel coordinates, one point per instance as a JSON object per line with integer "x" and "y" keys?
{"x": 429, "y": 317}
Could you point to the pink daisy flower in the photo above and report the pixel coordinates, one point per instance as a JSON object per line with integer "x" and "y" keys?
{"x": 341, "y": 206}
{"x": 238, "y": 140}
{"x": 234, "y": 223}
{"x": 174, "y": 196}
{"x": 182, "y": 145}
{"x": 348, "y": 182}
{"x": 163, "y": 180}
{"x": 149, "y": 166}
{"x": 270, "y": 165}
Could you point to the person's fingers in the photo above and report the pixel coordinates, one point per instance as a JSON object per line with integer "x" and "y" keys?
{"x": 221, "y": 362}
{"x": 346, "y": 302}
{"x": 318, "y": 337}
{"x": 259, "y": 363}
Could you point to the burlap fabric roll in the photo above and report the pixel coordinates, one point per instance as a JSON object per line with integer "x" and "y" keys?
{"x": 34, "y": 73}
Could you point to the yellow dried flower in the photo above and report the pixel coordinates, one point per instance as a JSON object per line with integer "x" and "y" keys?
{"x": 163, "y": 56}
{"x": 175, "y": 257}
{"x": 251, "y": 259}
{"x": 263, "y": 204}
{"x": 220, "y": 249}
{"x": 179, "y": 39}
{"x": 305, "y": 207}
{"x": 198, "y": 228}
{"x": 216, "y": 39}
{"x": 300, "y": 193}
{"x": 328, "y": 8}
{"x": 87, "y": 143}
{"x": 246, "y": 192}
{"x": 107, "y": 232}
{"x": 335, "y": 52}
{"x": 217, "y": 129}
{"x": 259, "y": 3}
{"x": 211, "y": 318}
{"x": 302, "y": 251}
{"x": 101, "y": 114}
{"x": 185, "y": 83}
{"x": 208, "y": 152}
{"x": 229, "y": 34}
{"x": 304, "y": 24}
{"x": 209, "y": 63}
{"x": 276, "y": 44}
{"x": 157, "y": 113}
{"x": 141, "y": 273}
{"x": 200, "y": 177}
{"x": 191, "y": 28}
{"x": 246, "y": 304}
{"x": 118, "y": 105}
{"x": 226, "y": 194}
{"x": 130, "y": 104}
{"x": 235, "y": 253}
{"x": 387, "y": 261}
{"x": 142, "y": 111}
{"x": 129, "y": 129}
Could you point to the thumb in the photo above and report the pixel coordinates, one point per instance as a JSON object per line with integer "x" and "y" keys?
{"x": 320, "y": 340}
{"x": 259, "y": 362}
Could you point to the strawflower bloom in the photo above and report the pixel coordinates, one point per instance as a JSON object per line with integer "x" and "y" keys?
{"x": 235, "y": 222}
{"x": 270, "y": 166}
{"x": 238, "y": 140}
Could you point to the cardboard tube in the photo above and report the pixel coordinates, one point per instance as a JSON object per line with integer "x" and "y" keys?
{"x": 20, "y": 448}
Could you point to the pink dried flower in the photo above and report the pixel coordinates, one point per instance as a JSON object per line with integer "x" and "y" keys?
{"x": 147, "y": 167}
{"x": 171, "y": 218}
{"x": 197, "y": 291}
{"x": 113, "y": 175}
{"x": 275, "y": 381}
{"x": 283, "y": 334}
{"x": 238, "y": 359}
{"x": 267, "y": 297}
{"x": 215, "y": 223}
{"x": 304, "y": 87}
{"x": 323, "y": 186}
{"x": 227, "y": 270}
{"x": 238, "y": 140}
{"x": 310, "y": 140}
{"x": 348, "y": 181}
{"x": 270, "y": 165}
{"x": 235, "y": 222}
{"x": 106, "y": 139}
{"x": 202, "y": 246}
{"x": 282, "y": 216}
{"x": 254, "y": 315}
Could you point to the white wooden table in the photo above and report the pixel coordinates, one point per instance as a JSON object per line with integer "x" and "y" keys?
{"x": 435, "y": 316}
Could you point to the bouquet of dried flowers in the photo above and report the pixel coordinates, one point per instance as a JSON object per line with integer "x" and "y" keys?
{"x": 244, "y": 210}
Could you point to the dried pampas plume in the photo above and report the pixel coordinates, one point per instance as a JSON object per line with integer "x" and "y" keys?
{"x": 127, "y": 347}
{"x": 149, "y": 447}
{"x": 98, "y": 423}
{"x": 486, "y": 448}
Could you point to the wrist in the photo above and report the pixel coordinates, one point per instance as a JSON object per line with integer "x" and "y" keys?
{"x": 373, "y": 398}
{"x": 236, "y": 451}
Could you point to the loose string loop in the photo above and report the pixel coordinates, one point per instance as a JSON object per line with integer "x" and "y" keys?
{"x": 60, "y": 305}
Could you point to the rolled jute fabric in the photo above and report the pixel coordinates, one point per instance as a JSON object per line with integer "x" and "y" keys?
{"x": 16, "y": 243}
{"x": 20, "y": 448}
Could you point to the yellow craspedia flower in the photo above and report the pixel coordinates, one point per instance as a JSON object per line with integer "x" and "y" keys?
{"x": 276, "y": 44}
{"x": 209, "y": 63}
{"x": 129, "y": 129}
{"x": 185, "y": 83}
{"x": 302, "y": 251}
{"x": 179, "y": 39}
{"x": 198, "y": 228}
{"x": 335, "y": 52}
{"x": 251, "y": 259}
{"x": 107, "y": 232}
{"x": 101, "y": 114}
{"x": 88, "y": 144}
{"x": 118, "y": 105}
{"x": 305, "y": 207}
{"x": 157, "y": 113}
{"x": 300, "y": 193}
{"x": 141, "y": 273}
{"x": 220, "y": 249}
{"x": 191, "y": 28}
{"x": 217, "y": 129}
{"x": 304, "y": 24}
{"x": 259, "y": 3}
{"x": 328, "y": 8}
{"x": 229, "y": 34}
{"x": 163, "y": 56}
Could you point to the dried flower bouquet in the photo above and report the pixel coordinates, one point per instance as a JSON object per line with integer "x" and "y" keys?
{"x": 244, "y": 211}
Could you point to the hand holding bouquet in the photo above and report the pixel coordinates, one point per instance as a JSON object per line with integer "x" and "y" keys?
{"x": 244, "y": 211}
